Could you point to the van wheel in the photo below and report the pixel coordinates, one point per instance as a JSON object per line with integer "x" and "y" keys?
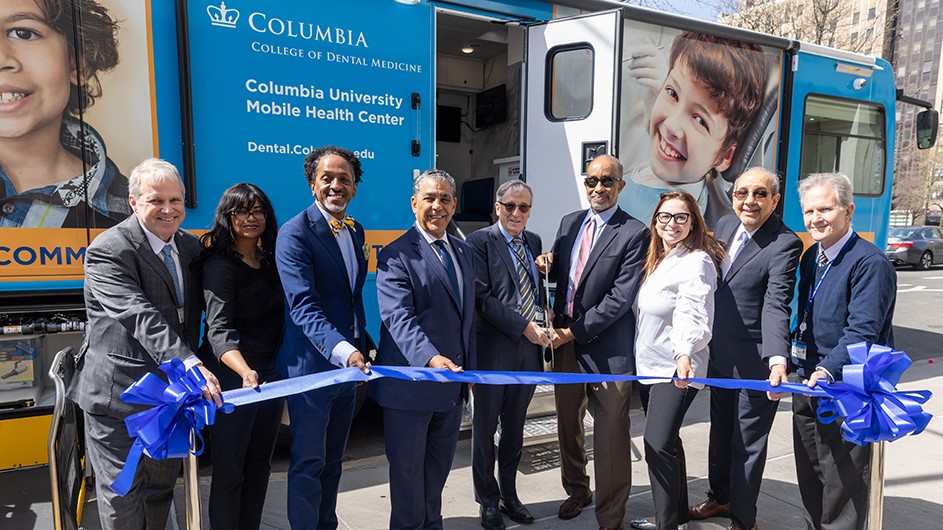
{"x": 926, "y": 261}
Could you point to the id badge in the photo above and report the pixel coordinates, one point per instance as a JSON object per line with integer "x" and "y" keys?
{"x": 798, "y": 350}
{"x": 540, "y": 317}
{"x": 180, "y": 315}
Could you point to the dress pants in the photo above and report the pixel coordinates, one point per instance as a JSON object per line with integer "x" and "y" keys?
{"x": 507, "y": 403}
{"x": 665, "y": 406}
{"x": 739, "y": 436}
{"x": 242, "y": 446}
{"x": 834, "y": 475}
{"x": 611, "y": 441}
{"x": 420, "y": 446}
{"x": 320, "y": 423}
{"x": 147, "y": 505}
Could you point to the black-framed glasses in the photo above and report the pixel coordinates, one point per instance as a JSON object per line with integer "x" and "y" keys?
{"x": 744, "y": 193}
{"x": 242, "y": 214}
{"x": 510, "y": 207}
{"x": 679, "y": 218}
{"x": 608, "y": 182}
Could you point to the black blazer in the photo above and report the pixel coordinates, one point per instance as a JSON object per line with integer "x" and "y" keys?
{"x": 603, "y": 323}
{"x": 751, "y": 311}
{"x": 501, "y": 342}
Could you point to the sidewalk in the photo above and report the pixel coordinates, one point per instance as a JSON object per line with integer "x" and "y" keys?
{"x": 913, "y": 473}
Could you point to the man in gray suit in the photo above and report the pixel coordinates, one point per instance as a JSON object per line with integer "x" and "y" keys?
{"x": 509, "y": 301}
{"x": 750, "y": 340}
{"x": 143, "y": 305}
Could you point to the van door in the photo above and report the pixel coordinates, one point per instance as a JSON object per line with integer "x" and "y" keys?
{"x": 571, "y": 86}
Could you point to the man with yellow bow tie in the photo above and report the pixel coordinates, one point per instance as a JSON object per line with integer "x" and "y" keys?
{"x": 322, "y": 269}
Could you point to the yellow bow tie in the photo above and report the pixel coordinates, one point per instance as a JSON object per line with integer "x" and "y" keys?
{"x": 337, "y": 225}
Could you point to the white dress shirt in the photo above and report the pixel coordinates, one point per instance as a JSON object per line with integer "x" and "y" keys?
{"x": 448, "y": 247}
{"x": 675, "y": 314}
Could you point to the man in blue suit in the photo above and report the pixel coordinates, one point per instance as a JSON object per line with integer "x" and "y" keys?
{"x": 426, "y": 293}
{"x": 750, "y": 341}
{"x": 509, "y": 299}
{"x": 597, "y": 263}
{"x": 322, "y": 262}
{"x": 847, "y": 293}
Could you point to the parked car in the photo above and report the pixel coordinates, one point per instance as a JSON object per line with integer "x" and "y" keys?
{"x": 920, "y": 246}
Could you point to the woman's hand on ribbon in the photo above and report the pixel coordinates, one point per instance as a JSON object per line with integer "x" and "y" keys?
{"x": 250, "y": 379}
{"x": 684, "y": 371}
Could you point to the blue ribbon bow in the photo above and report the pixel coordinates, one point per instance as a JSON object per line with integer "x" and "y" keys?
{"x": 164, "y": 430}
{"x": 873, "y": 410}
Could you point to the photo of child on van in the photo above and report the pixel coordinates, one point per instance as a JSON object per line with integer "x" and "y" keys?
{"x": 711, "y": 96}
{"x": 54, "y": 171}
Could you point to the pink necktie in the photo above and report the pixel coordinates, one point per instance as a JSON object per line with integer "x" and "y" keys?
{"x": 586, "y": 245}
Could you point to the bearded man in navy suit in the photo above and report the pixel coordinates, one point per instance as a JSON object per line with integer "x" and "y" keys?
{"x": 322, "y": 264}
{"x": 426, "y": 293}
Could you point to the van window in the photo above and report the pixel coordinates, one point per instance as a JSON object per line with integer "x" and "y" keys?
{"x": 846, "y": 136}
{"x": 569, "y": 82}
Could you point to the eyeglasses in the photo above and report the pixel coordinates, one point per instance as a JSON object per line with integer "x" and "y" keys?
{"x": 679, "y": 218}
{"x": 523, "y": 208}
{"x": 242, "y": 214}
{"x": 607, "y": 182}
{"x": 742, "y": 194}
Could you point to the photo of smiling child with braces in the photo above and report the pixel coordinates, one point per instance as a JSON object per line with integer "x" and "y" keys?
{"x": 53, "y": 168}
{"x": 711, "y": 96}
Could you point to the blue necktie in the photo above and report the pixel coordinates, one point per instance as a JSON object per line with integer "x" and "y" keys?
{"x": 167, "y": 251}
{"x": 446, "y": 259}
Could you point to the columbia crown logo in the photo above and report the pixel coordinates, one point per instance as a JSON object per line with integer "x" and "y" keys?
{"x": 222, "y": 16}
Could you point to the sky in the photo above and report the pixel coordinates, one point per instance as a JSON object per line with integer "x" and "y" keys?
{"x": 694, "y": 8}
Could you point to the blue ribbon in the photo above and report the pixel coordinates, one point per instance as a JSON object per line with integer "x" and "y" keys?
{"x": 873, "y": 410}
{"x": 164, "y": 430}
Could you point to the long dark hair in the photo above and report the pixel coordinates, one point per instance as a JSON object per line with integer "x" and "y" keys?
{"x": 698, "y": 238}
{"x": 219, "y": 240}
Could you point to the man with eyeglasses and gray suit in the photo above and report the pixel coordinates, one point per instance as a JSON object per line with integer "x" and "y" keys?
{"x": 597, "y": 263}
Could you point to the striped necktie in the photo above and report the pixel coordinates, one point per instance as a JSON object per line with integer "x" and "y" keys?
{"x": 524, "y": 283}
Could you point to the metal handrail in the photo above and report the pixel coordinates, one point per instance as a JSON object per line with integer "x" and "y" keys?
{"x": 58, "y": 372}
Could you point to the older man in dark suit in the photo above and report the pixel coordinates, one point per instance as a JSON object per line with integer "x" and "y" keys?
{"x": 597, "y": 263}
{"x": 510, "y": 302}
{"x": 750, "y": 339}
{"x": 426, "y": 293}
{"x": 322, "y": 264}
{"x": 143, "y": 305}
{"x": 847, "y": 293}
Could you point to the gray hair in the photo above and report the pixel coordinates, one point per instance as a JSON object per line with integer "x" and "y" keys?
{"x": 512, "y": 186}
{"x": 771, "y": 178}
{"x": 433, "y": 174}
{"x": 153, "y": 170}
{"x": 612, "y": 159}
{"x": 837, "y": 181}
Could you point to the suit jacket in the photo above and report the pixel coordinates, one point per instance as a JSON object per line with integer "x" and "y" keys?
{"x": 131, "y": 303}
{"x": 751, "y": 310}
{"x": 421, "y": 317}
{"x": 321, "y": 309}
{"x": 500, "y": 326}
{"x": 603, "y": 322}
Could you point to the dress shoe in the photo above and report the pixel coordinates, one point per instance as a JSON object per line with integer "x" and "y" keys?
{"x": 734, "y": 525}
{"x": 607, "y": 528}
{"x": 491, "y": 518}
{"x": 648, "y": 523}
{"x": 516, "y": 511}
{"x": 572, "y": 507}
{"x": 709, "y": 508}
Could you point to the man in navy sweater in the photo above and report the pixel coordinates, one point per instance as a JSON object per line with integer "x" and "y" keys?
{"x": 847, "y": 290}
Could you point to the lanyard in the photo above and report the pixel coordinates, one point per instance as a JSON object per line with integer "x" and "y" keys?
{"x": 815, "y": 290}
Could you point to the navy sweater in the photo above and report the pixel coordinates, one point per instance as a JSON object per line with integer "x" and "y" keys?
{"x": 855, "y": 303}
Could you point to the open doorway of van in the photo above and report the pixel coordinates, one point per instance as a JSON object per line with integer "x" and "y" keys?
{"x": 478, "y": 110}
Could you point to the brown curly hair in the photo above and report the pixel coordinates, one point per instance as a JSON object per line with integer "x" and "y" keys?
{"x": 95, "y": 44}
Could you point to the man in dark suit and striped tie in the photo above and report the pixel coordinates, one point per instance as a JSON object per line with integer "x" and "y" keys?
{"x": 509, "y": 300}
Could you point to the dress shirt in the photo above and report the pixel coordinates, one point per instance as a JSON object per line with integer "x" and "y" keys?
{"x": 532, "y": 267}
{"x": 675, "y": 314}
{"x": 448, "y": 247}
{"x": 602, "y": 218}
{"x": 157, "y": 245}
{"x": 345, "y": 243}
